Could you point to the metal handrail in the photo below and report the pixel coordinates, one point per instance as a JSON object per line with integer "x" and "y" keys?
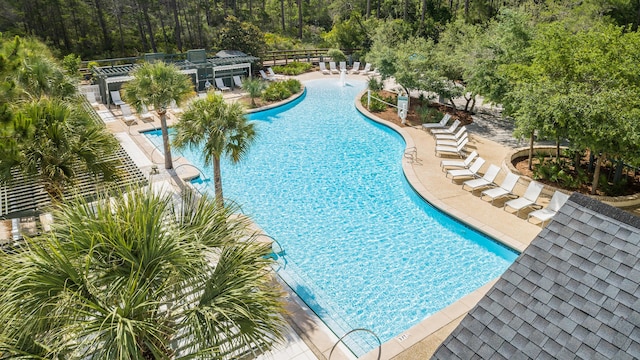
{"x": 352, "y": 331}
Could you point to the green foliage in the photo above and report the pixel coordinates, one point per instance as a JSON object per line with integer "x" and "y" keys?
{"x": 218, "y": 129}
{"x": 276, "y": 91}
{"x": 254, "y": 87}
{"x": 71, "y": 63}
{"x": 121, "y": 277}
{"x": 375, "y": 105}
{"x": 560, "y": 172}
{"x": 294, "y": 68}
{"x": 336, "y": 54}
{"x": 348, "y": 34}
{"x": 429, "y": 114}
{"x": 374, "y": 84}
{"x": 243, "y": 36}
{"x": 293, "y": 85}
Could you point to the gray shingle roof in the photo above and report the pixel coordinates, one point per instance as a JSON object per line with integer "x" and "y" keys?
{"x": 572, "y": 294}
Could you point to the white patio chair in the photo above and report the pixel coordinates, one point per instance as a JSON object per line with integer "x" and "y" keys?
{"x": 450, "y": 130}
{"x": 115, "y": 98}
{"x": 343, "y": 66}
{"x": 237, "y": 81}
{"x": 457, "y": 136}
{"x": 471, "y": 172}
{"x": 487, "y": 180}
{"x": 355, "y": 69}
{"x": 127, "y": 115}
{"x": 220, "y": 85}
{"x": 274, "y": 75}
{"x": 91, "y": 97}
{"x": 332, "y": 66}
{"x": 323, "y": 68}
{"x": 445, "y": 164}
{"x": 145, "y": 114}
{"x": 451, "y": 150}
{"x": 529, "y": 198}
{"x": 452, "y": 142}
{"x": 265, "y": 76}
{"x": 439, "y": 125}
{"x": 504, "y": 190}
{"x": 557, "y": 200}
{"x": 367, "y": 69}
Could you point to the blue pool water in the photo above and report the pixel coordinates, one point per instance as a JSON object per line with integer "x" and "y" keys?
{"x": 363, "y": 250}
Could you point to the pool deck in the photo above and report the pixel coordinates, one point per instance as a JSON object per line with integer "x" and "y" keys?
{"x": 312, "y": 339}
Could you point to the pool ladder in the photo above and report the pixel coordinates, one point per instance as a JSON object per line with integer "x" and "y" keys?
{"x": 352, "y": 331}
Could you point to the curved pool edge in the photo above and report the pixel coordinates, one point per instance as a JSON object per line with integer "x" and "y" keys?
{"x": 428, "y": 196}
{"x": 445, "y": 320}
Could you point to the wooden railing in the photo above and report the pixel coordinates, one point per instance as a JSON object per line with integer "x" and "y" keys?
{"x": 283, "y": 57}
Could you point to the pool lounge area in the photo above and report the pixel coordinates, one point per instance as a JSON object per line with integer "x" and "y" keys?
{"x": 446, "y": 197}
{"x": 362, "y": 249}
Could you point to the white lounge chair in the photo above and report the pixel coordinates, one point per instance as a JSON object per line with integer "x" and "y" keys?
{"x": 274, "y": 75}
{"x": 450, "y": 130}
{"x": 457, "y": 136}
{"x": 356, "y": 67}
{"x": 220, "y": 85}
{"x": 91, "y": 97}
{"x": 487, "y": 180}
{"x": 323, "y": 68}
{"x": 505, "y": 188}
{"x": 266, "y": 77}
{"x": 446, "y": 164}
{"x": 438, "y": 125}
{"x": 145, "y": 114}
{"x": 115, "y": 98}
{"x": 332, "y": 66}
{"x": 237, "y": 81}
{"x": 343, "y": 66}
{"x": 451, "y": 150}
{"x": 471, "y": 172}
{"x": 127, "y": 115}
{"x": 367, "y": 69}
{"x": 557, "y": 200}
{"x": 529, "y": 198}
{"x": 452, "y": 142}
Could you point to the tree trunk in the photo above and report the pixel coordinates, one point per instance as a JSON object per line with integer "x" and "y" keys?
{"x": 466, "y": 8}
{"x": 300, "y": 19}
{"x": 103, "y": 26}
{"x": 557, "y": 149}
{"x": 176, "y": 22}
{"x": 168, "y": 162}
{"x": 282, "y": 14}
{"x": 368, "y": 9}
{"x": 217, "y": 180}
{"x": 531, "y": 140}
{"x": 378, "y": 10}
{"x": 596, "y": 175}
{"x": 147, "y": 21}
{"x": 423, "y": 13}
{"x": 406, "y": 10}
{"x": 617, "y": 176}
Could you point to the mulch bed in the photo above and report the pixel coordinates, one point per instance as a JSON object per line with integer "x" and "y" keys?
{"x": 391, "y": 113}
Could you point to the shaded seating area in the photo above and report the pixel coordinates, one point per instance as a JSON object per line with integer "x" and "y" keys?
{"x": 237, "y": 81}
{"x": 115, "y": 98}
{"x": 221, "y": 86}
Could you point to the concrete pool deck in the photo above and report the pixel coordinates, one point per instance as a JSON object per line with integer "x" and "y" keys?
{"x": 427, "y": 179}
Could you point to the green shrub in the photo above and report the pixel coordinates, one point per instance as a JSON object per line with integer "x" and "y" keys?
{"x": 336, "y": 55}
{"x": 375, "y": 105}
{"x": 293, "y": 85}
{"x": 276, "y": 91}
{"x": 294, "y": 68}
{"x": 374, "y": 84}
{"x": 559, "y": 172}
{"x": 428, "y": 114}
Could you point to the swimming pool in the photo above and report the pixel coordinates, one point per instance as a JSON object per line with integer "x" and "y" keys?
{"x": 363, "y": 250}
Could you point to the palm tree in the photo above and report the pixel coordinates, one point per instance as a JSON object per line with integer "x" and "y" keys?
{"x": 219, "y": 128}
{"x": 158, "y": 85}
{"x": 140, "y": 277}
{"x": 55, "y": 141}
{"x": 254, "y": 87}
